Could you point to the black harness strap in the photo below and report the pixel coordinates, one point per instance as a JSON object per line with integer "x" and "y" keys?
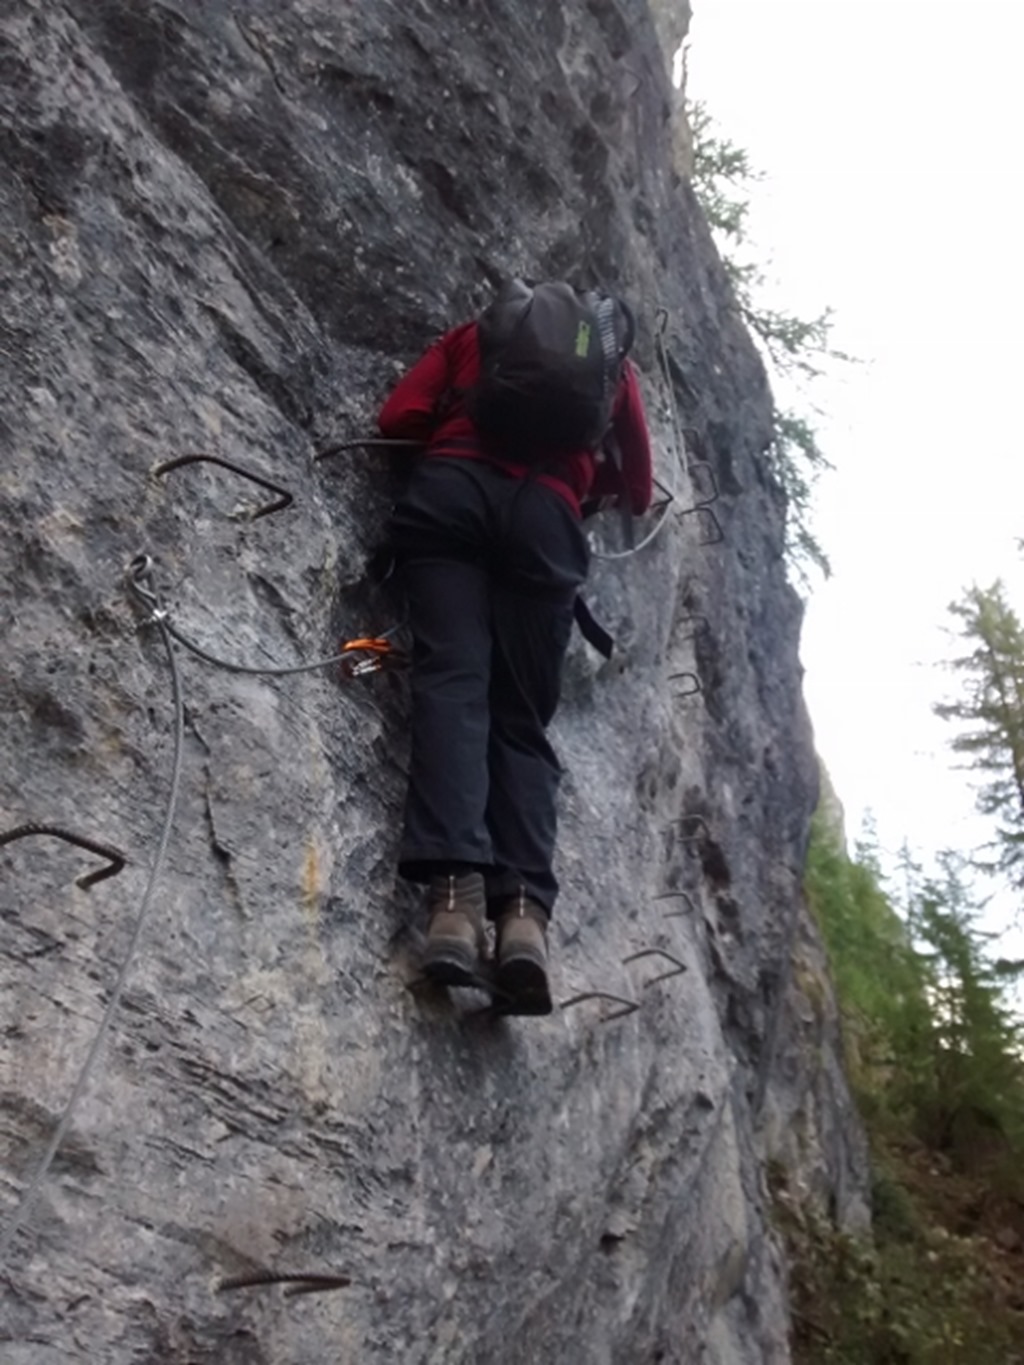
{"x": 592, "y": 630}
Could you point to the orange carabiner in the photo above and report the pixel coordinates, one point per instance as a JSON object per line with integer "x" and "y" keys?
{"x": 370, "y": 654}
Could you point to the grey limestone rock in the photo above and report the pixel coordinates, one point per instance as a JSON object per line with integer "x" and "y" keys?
{"x": 225, "y": 229}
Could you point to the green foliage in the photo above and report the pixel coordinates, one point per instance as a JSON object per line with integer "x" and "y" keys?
{"x": 935, "y": 1060}
{"x": 915, "y": 1294}
{"x": 797, "y": 461}
{"x": 975, "y": 1108}
{"x": 720, "y": 171}
{"x": 990, "y": 714}
{"x": 795, "y": 344}
{"x": 880, "y": 980}
{"x": 933, "y": 1047}
{"x": 794, "y": 347}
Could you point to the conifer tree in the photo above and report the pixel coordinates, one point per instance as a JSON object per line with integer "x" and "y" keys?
{"x": 881, "y": 980}
{"x": 990, "y": 712}
{"x": 794, "y": 347}
{"x": 932, "y": 1040}
{"x": 977, "y": 1075}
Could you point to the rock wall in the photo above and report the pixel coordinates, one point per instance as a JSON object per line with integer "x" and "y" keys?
{"x": 226, "y": 230}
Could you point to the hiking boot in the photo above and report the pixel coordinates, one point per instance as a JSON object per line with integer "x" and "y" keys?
{"x": 522, "y": 976}
{"x": 455, "y": 937}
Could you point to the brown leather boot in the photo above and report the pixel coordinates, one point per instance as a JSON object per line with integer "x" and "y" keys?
{"x": 522, "y": 976}
{"x": 455, "y": 937}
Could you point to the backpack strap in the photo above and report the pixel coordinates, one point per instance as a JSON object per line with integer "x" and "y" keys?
{"x": 591, "y": 629}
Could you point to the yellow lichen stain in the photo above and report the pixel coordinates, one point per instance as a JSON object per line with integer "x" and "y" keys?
{"x": 312, "y": 892}
{"x": 61, "y": 525}
{"x": 211, "y": 417}
{"x": 64, "y": 255}
{"x": 313, "y": 1045}
{"x": 312, "y": 883}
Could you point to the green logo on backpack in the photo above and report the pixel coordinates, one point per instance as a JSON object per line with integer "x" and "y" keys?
{"x": 583, "y": 340}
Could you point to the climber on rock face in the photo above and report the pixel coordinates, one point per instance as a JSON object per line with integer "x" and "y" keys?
{"x": 513, "y": 411}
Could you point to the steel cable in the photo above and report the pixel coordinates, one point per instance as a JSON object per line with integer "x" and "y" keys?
{"x": 21, "y": 1211}
{"x": 666, "y": 376}
{"x": 230, "y": 667}
{"x": 606, "y": 555}
{"x": 679, "y": 440}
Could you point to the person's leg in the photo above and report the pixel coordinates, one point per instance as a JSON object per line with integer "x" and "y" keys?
{"x": 532, "y": 616}
{"x": 530, "y": 643}
{"x": 530, "y": 639}
{"x": 438, "y": 529}
{"x": 449, "y": 617}
{"x": 544, "y": 559}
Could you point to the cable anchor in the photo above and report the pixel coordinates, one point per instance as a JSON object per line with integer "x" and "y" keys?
{"x": 116, "y": 858}
{"x": 284, "y": 498}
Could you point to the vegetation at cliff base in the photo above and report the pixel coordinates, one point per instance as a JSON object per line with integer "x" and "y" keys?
{"x": 935, "y": 1057}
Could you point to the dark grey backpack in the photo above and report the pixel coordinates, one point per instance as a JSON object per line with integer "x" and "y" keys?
{"x": 550, "y": 362}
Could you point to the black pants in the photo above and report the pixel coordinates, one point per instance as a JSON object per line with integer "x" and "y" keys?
{"x": 491, "y": 566}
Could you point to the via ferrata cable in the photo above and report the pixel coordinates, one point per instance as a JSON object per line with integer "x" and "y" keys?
{"x": 139, "y": 576}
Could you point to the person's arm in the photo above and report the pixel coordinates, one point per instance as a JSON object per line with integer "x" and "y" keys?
{"x": 629, "y": 425}
{"x": 410, "y": 412}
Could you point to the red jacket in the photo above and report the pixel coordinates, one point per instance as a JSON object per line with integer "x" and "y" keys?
{"x": 410, "y": 413}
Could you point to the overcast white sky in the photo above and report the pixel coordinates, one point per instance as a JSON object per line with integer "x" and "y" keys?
{"x": 890, "y": 135}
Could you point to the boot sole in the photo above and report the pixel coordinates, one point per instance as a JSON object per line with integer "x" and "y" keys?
{"x": 523, "y": 988}
{"x": 451, "y": 963}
